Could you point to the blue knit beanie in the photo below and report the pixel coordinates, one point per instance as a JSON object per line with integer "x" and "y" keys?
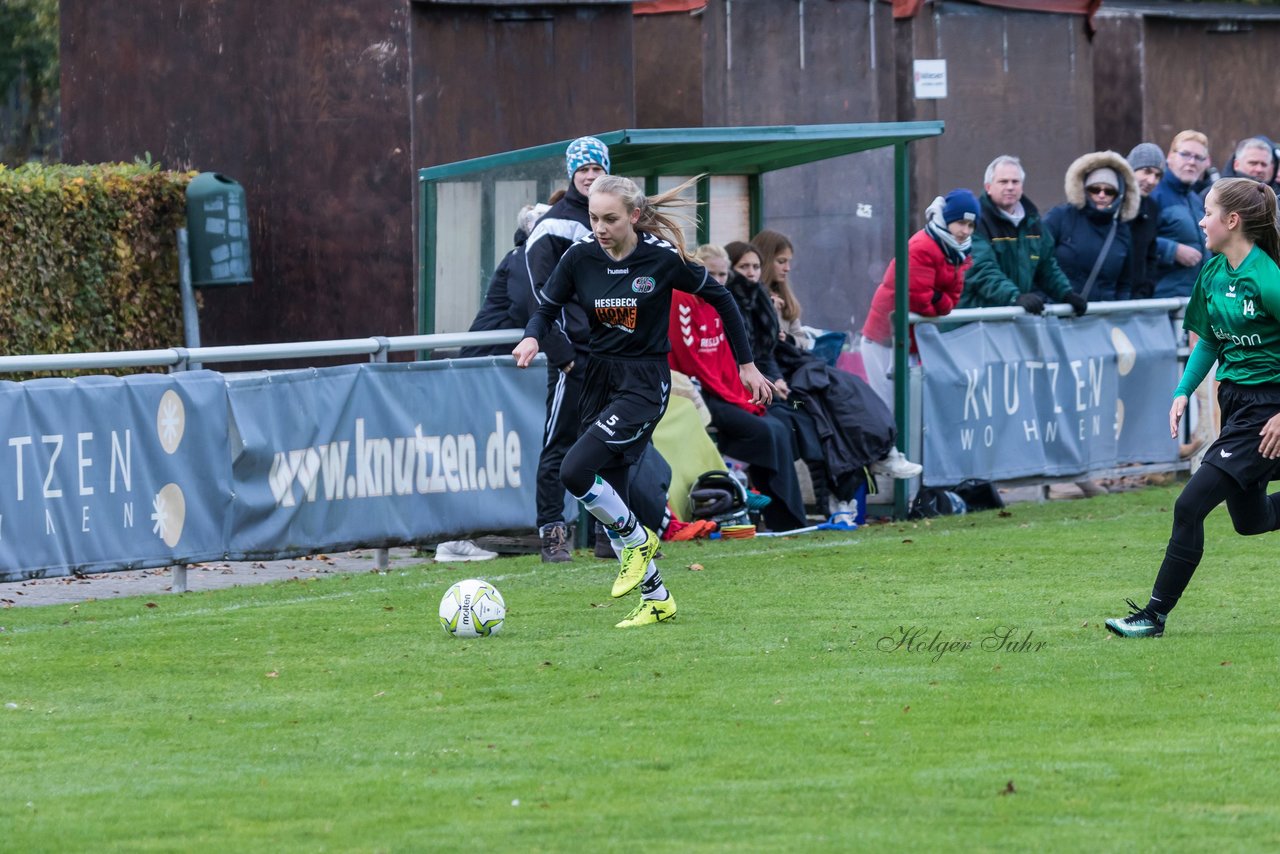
{"x": 585, "y": 150}
{"x": 960, "y": 204}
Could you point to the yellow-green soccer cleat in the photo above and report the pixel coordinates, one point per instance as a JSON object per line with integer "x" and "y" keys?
{"x": 634, "y": 563}
{"x": 650, "y": 611}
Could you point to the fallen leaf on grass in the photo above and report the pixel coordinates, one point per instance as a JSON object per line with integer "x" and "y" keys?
{"x": 1008, "y": 789}
{"x": 908, "y": 541}
{"x": 274, "y": 674}
{"x": 1225, "y": 664}
{"x": 696, "y": 567}
{"x": 151, "y": 605}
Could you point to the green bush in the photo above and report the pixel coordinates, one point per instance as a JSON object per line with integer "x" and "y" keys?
{"x": 88, "y": 258}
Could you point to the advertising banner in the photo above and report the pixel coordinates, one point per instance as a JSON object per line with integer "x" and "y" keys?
{"x": 107, "y": 473}
{"x": 381, "y": 454}
{"x": 1044, "y": 396}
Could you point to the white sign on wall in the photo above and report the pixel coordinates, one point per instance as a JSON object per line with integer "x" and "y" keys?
{"x": 931, "y": 78}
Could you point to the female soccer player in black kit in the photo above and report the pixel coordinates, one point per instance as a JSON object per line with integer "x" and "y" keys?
{"x": 622, "y": 275}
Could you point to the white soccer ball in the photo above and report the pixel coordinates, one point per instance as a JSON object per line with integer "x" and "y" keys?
{"x": 472, "y": 609}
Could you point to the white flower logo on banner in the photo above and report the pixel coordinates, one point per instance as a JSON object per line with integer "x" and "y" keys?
{"x": 1126, "y": 357}
{"x": 171, "y": 421}
{"x": 169, "y": 513}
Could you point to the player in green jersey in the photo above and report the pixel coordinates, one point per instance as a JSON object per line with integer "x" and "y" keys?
{"x": 1235, "y": 309}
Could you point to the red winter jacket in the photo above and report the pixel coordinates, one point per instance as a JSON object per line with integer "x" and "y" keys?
{"x": 700, "y": 350}
{"x": 934, "y": 287}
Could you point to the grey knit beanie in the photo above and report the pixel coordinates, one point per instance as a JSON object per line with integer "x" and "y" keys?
{"x": 1146, "y": 155}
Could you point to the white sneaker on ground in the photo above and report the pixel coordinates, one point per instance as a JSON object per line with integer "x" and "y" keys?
{"x": 896, "y": 465}
{"x": 460, "y": 551}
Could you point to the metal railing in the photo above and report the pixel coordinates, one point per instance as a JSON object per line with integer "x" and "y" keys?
{"x": 181, "y": 358}
{"x": 1010, "y": 312}
{"x": 1174, "y": 306}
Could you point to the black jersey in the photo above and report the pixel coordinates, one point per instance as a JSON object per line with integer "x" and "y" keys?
{"x": 628, "y": 301}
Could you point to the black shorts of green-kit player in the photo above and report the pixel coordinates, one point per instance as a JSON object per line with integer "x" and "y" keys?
{"x": 1235, "y": 473}
{"x": 1245, "y": 410}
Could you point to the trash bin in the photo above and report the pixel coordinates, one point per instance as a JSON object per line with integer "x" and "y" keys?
{"x": 218, "y": 231}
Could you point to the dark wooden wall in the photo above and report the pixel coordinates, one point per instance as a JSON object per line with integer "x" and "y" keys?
{"x": 307, "y": 111}
{"x": 764, "y": 62}
{"x": 488, "y": 79}
{"x": 1019, "y": 83}
{"x": 669, "y": 71}
{"x": 1117, "y": 101}
{"x": 1180, "y": 74}
{"x": 325, "y": 116}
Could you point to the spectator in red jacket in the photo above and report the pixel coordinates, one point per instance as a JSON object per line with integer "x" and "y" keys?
{"x": 938, "y": 256}
{"x": 744, "y": 430}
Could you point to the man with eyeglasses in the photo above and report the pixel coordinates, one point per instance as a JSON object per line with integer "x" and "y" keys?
{"x": 1180, "y": 242}
{"x": 1013, "y": 260}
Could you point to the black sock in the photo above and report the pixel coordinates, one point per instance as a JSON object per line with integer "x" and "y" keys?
{"x": 1175, "y": 574}
{"x": 651, "y": 585}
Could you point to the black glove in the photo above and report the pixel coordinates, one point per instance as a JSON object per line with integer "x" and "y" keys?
{"x": 1033, "y": 303}
{"x": 1078, "y": 303}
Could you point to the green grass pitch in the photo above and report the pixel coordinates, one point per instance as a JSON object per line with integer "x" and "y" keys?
{"x": 945, "y": 685}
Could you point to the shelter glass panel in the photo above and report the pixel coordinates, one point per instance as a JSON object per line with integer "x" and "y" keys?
{"x": 457, "y": 255}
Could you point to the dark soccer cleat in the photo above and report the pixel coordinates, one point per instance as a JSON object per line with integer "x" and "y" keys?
{"x": 1141, "y": 623}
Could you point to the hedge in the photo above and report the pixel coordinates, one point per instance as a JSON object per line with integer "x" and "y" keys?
{"x": 88, "y": 257}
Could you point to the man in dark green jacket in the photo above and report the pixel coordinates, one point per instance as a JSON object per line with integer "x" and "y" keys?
{"x": 1013, "y": 261}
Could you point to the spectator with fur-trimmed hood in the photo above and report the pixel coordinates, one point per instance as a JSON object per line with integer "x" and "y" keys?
{"x": 1091, "y": 237}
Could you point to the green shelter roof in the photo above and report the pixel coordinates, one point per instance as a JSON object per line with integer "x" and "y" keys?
{"x": 714, "y": 151}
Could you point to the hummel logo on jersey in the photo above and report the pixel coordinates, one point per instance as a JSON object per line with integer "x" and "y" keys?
{"x": 613, "y": 272}
{"x": 1225, "y": 453}
{"x": 686, "y": 328}
{"x": 654, "y": 240}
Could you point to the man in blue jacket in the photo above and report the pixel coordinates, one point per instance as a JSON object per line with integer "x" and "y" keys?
{"x": 1180, "y": 242}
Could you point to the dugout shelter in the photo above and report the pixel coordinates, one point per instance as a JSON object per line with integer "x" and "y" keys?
{"x": 467, "y": 208}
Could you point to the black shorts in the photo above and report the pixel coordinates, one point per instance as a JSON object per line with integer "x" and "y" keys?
{"x": 1245, "y": 409}
{"x": 622, "y": 402}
